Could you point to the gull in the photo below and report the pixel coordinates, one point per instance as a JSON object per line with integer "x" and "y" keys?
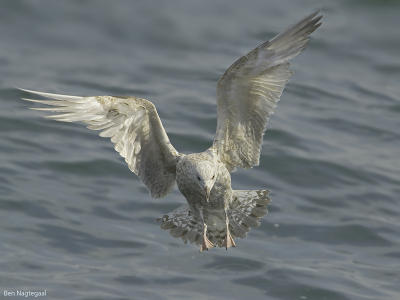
{"x": 247, "y": 94}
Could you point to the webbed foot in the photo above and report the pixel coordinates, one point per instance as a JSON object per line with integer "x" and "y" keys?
{"x": 206, "y": 244}
{"x": 229, "y": 242}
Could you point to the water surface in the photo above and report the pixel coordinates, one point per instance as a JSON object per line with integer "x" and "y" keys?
{"x": 76, "y": 222}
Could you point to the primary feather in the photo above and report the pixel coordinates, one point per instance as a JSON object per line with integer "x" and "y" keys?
{"x": 247, "y": 95}
{"x": 249, "y": 90}
{"x": 135, "y": 130}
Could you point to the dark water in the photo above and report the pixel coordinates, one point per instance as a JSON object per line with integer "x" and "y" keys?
{"x": 76, "y": 222}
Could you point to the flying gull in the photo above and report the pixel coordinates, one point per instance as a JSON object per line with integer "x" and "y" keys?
{"x": 247, "y": 94}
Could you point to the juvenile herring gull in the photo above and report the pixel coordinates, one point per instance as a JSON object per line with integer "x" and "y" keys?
{"x": 247, "y": 94}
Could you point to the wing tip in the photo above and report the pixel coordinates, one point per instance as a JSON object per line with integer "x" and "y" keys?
{"x": 313, "y": 21}
{"x": 24, "y": 90}
{"x": 316, "y": 14}
{"x": 51, "y": 95}
{"x": 34, "y": 100}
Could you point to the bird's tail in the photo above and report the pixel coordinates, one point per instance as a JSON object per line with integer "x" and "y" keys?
{"x": 182, "y": 224}
{"x": 246, "y": 209}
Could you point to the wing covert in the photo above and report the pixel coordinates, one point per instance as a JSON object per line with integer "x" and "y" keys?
{"x": 134, "y": 127}
{"x": 248, "y": 92}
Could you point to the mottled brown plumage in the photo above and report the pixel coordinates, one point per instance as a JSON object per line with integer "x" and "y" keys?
{"x": 247, "y": 94}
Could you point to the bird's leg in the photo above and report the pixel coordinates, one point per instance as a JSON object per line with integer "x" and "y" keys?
{"x": 206, "y": 244}
{"x": 229, "y": 242}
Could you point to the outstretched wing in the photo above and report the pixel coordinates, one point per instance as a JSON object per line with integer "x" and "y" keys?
{"x": 135, "y": 130}
{"x": 249, "y": 90}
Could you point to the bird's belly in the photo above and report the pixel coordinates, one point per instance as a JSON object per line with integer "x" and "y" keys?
{"x": 220, "y": 196}
{"x": 221, "y": 193}
{"x": 219, "y": 199}
{"x": 215, "y": 218}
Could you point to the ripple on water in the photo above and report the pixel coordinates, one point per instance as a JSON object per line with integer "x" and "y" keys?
{"x": 234, "y": 264}
{"x": 75, "y": 219}
{"x": 350, "y": 235}
{"x": 87, "y": 168}
{"x": 78, "y": 241}
{"x": 29, "y": 208}
{"x": 170, "y": 280}
{"x": 309, "y": 172}
{"x": 107, "y": 213}
{"x": 274, "y": 283}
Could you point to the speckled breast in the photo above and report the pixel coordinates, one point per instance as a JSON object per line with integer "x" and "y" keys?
{"x": 221, "y": 193}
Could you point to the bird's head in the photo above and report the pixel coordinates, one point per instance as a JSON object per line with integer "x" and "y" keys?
{"x": 205, "y": 176}
{"x": 197, "y": 175}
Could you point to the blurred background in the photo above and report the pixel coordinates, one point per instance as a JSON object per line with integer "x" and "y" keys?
{"x": 76, "y": 222}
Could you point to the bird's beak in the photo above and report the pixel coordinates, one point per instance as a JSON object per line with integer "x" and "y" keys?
{"x": 207, "y": 191}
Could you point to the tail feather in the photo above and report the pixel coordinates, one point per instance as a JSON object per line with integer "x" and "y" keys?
{"x": 182, "y": 224}
{"x": 245, "y": 211}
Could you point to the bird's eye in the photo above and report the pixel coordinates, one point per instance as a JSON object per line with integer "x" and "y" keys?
{"x": 213, "y": 176}
{"x": 198, "y": 177}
